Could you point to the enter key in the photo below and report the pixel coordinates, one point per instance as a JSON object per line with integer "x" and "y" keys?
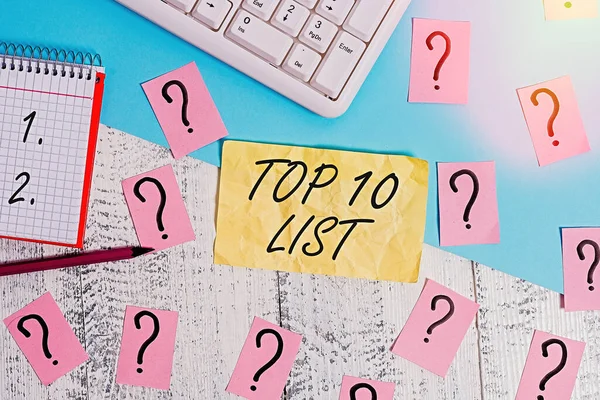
{"x": 342, "y": 57}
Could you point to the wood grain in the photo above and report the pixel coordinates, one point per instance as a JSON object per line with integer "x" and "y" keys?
{"x": 348, "y": 324}
{"x": 18, "y": 380}
{"x": 511, "y": 309}
{"x": 216, "y": 304}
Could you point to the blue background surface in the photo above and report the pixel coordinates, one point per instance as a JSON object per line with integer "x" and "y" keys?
{"x": 511, "y": 47}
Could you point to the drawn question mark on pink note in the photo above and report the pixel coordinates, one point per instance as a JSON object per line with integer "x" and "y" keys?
{"x": 184, "y": 104}
{"x": 555, "y": 110}
{"x": 45, "y": 333}
{"x": 147, "y": 342}
{"x": 163, "y": 200}
{"x": 273, "y": 359}
{"x": 474, "y": 193}
{"x": 594, "y": 245}
{"x": 559, "y": 367}
{"x": 447, "y": 50}
{"x": 445, "y": 318}
{"x": 362, "y": 385}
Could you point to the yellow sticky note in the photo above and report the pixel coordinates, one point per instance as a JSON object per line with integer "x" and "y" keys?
{"x": 321, "y": 211}
{"x": 570, "y": 9}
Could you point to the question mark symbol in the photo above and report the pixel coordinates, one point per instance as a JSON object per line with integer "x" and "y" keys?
{"x": 274, "y": 359}
{"x": 580, "y": 246}
{"x": 362, "y": 385}
{"x": 169, "y": 99}
{"x": 555, "y": 371}
{"x": 163, "y": 200}
{"x": 554, "y": 114}
{"x": 27, "y": 334}
{"x": 473, "y": 194}
{"x": 438, "y": 67}
{"x": 445, "y": 318}
{"x": 152, "y": 338}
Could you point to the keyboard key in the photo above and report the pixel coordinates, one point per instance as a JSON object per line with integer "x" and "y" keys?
{"x": 302, "y": 62}
{"x": 335, "y": 10}
{"x": 185, "y": 5}
{"x": 259, "y": 37}
{"x": 212, "y": 12}
{"x": 366, "y": 17}
{"x": 261, "y": 8}
{"x": 308, "y": 3}
{"x": 290, "y": 17}
{"x": 339, "y": 62}
{"x": 318, "y": 33}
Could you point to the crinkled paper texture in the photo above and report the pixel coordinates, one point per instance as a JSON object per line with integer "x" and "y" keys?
{"x": 389, "y": 249}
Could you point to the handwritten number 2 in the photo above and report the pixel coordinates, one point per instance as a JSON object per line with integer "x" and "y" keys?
{"x": 29, "y": 118}
{"x": 13, "y": 199}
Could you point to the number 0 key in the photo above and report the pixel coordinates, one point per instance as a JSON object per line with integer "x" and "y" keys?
{"x": 259, "y": 37}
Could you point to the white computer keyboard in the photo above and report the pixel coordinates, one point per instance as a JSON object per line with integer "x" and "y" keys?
{"x": 316, "y": 52}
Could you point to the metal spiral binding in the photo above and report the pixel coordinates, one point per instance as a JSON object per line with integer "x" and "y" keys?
{"x": 55, "y": 61}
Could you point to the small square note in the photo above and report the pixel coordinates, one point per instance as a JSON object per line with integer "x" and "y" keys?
{"x": 157, "y": 209}
{"x": 435, "y": 328}
{"x": 551, "y": 368}
{"x": 357, "y": 388}
{"x": 468, "y": 205}
{"x": 265, "y": 362}
{"x": 439, "y": 66}
{"x": 185, "y": 110}
{"x": 581, "y": 254}
{"x": 147, "y": 348}
{"x": 570, "y": 9}
{"x": 553, "y": 119}
{"x": 46, "y": 338}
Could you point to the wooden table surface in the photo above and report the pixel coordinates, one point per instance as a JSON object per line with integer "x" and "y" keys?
{"x": 348, "y": 324}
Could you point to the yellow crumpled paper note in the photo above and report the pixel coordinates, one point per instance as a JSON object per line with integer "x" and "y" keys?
{"x": 321, "y": 211}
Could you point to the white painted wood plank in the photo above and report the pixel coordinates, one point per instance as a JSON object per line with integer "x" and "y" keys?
{"x": 18, "y": 380}
{"x": 216, "y": 303}
{"x": 350, "y": 324}
{"x": 511, "y": 309}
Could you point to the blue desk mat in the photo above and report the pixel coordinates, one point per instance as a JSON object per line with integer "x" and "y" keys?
{"x": 511, "y": 46}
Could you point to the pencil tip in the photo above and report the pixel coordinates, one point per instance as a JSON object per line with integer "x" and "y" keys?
{"x": 138, "y": 251}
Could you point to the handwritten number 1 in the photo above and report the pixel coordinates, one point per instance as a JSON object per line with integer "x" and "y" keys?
{"x": 29, "y": 118}
{"x": 13, "y": 199}
{"x": 364, "y": 178}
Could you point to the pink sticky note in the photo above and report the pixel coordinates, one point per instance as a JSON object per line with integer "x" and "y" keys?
{"x": 468, "y": 204}
{"x": 45, "y": 337}
{"x": 439, "y": 66}
{"x": 358, "y": 389}
{"x": 581, "y": 254}
{"x": 553, "y": 119}
{"x": 147, "y": 347}
{"x": 185, "y": 110}
{"x": 265, "y": 362}
{"x": 157, "y": 209}
{"x": 546, "y": 353}
{"x": 435, "y": 328}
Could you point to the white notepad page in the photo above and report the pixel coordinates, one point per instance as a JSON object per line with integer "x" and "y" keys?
{"x": 44, "y": 134}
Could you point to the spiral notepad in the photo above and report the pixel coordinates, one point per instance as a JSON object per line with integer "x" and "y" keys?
{"x": 50, "y": 104}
